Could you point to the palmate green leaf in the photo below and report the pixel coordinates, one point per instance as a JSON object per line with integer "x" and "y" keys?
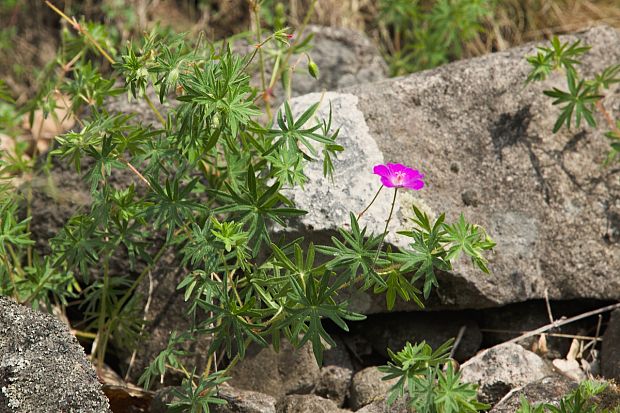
{"x": 609, "y": 76}
{"x": 309, "y": 304}
{"x": 398, "y": 284}
{"x": 199, "y": 248}
{"x": 454, "y": 396}
{"x": 105, "y": 160}
{"x": 255, "y": 206}
{"x": 220, "y": 87}
{"x": 196, "y": 398}
{"x": 87, "y": 87}
{"x": 134, "y": 68}
{"x": 168, "y": 357}
{"x": 171, "y": 205}
{"x": 542, "y": 66}
{"x": 287, "y": 167}
{"x": 77, "y": 245}
{"x": 414, "y": 366}
{"x": 578, "y": 102}
{"x": 469, "y": 239}
{"x": 357, "y": 255}
{"x": 74, "y": 146}
{"x": 12, "y": 231}
{"x": 42, "y": 282}
{"x": 231, "y": 322}
{"x": 423, "y": 257}
{"x": 429, "y": 379}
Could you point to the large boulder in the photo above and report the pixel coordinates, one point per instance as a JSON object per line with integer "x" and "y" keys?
{"x": 42, "y": 366}
{"x": 484, "y": 140}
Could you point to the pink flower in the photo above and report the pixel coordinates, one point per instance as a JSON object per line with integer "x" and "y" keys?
{"x": 395, "y": 175}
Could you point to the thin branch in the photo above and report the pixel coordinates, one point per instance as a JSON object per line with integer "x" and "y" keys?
{"x": 564, "y": 321}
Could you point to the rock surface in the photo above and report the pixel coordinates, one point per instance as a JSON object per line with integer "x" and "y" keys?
{"x": 502, "y": 368}
{"x": 367, "y": 386}
{"x": 244, "y": 401}
{"x": 546, "y": 390}
{"x": 345, "y": 57}
{"x": 478, "y": 132}
{"x": 307, "y": 403}
{"x": 291, "y": 371}
{"x": 333, "y": 384}
{"x": 42, "y": 366}
{"x": 381, "y": 406}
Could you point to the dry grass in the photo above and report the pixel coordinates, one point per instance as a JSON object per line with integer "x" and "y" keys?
{"x": 514, "y": 21}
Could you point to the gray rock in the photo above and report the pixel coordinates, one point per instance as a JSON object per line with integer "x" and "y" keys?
{"x": 367, "y": 387}
{"x": 307, "y": 403}
{"x": 381, "y": 406}
{"x": 502, "y": 368}
{"x": 42, "y": 366}
{"x": 546, "y": 390}
{"x": 610, "y": 350}
{"x": 474, "y": 126}
{"x": 333, "y": 384}
{"x": 243, "y": 401}
{"x": 291, "y": 371}
{"x": 345, "y": 57}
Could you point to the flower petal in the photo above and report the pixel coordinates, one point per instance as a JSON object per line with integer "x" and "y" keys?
{"x": 415, "y": 184}
{"x": 381, "y": 170}
{"x": 385, "y": 180}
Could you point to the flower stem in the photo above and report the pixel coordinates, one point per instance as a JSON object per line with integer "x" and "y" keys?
{"x": 371, "y": 202}
{"x": 385, "y": 230}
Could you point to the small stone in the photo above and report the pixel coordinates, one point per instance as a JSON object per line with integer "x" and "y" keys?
{"x": 334, "y": 384}
{"x": 546, "y": 390}
{"x": 307, "y": 403}
{"x": 502, "y": 368}
{"x": 367, "y": 386}
{"x": 243, "y": 401}
{"x": 291, "y": 371}
{"x": 470, "y": 198}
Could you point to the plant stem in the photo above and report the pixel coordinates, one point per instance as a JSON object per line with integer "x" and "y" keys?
{"x": 610, "y": 122}
{"x": 385, "y": 230}
{"x": 101, "y": 342}
{"x": 371, "y": 202}
{"x": 9, "y": 269}
{"x": 81, "y": 30}
{"x": 155, "y": 111}
{"x": 289, "y": 52}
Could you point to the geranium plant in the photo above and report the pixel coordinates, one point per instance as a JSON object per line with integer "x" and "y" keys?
{"x": 207, "y": 182}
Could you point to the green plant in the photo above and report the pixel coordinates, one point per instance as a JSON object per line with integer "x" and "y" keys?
{"x": 584, "y": 399}
{"x": 206, "y": 185}
{"x": 421, "y": 36}
{"x": 430, "y": 380}
{"x": 583, "y": 97}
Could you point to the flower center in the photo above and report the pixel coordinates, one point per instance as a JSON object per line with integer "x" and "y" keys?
{"x": 399, "y": 178}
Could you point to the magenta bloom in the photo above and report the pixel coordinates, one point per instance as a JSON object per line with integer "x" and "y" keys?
{"x": 395, "y": 175}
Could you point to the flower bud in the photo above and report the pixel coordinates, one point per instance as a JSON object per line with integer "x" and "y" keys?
{"x": 313, "y": 69}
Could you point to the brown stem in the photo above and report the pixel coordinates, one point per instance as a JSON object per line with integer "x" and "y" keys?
{"x": 565, "y": 321}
